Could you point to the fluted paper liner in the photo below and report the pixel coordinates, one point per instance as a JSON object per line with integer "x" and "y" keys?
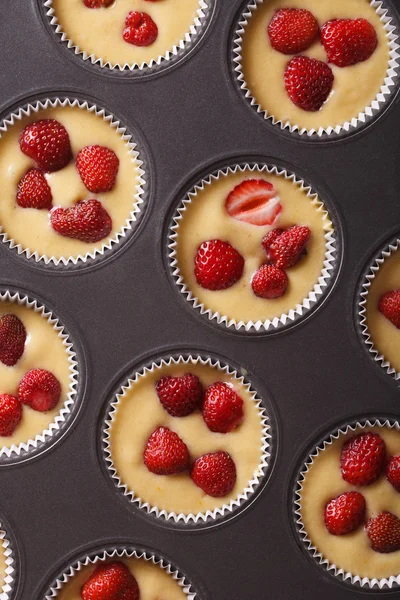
{"x": 116, "y": 554}
{"x": 362, "y": 307}
{"x": 175, "y": 53}
{"x": 386, "y": 91}
{"x": 108, "y": 243}
{"x": 299, "y": 310}
{"x": 209, "y": 515}
{"x": 25, "y": 449}
{"x": 8, "y": 582}
{"x": 348, "y": 577}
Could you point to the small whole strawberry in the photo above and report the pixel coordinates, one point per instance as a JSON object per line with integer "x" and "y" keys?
{"x": 97, "y": 3}
{"x": 292, "y": 30}
{"x": 345, "y": 513}
{"x": 33, "y": 191}
{"x": 217, "y": 265}
{"x": 98, "y": 168}
{"x": 222, "y": 408}
{"x": 254, "y": 201}
{"x": 47, "y": 143}
{"x": 111, "y": 581}
{"x": 363, "y": 458}
{"x": 140, "y": 29}
{"x": 10, "y": 414}
{"x": 166, "y": 453}
{"x": 269, "y": 282}
{"x": 383, "y": 532}
{"x": 285, "y": 248}
{"x": 40, "y": 390}
{"x": 180, "y": 396}
{"x": 215, "y": 474}
{"x": 348, "y": 41}
{"x": 393, "y": 472}
{"x": 308, "y": 82}
{"x": 87, "y": 221}
{"x": 389, "y": 306}
{"x": 12, "y": 339}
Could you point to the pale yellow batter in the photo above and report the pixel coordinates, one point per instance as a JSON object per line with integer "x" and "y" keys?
{"x": 355, "y": 87}
{"x": 140, "y": 413}
{"x": 99, "y": 31}
{"x": 384, "y": 335}
{"x": 31, "y": 227}
{"x": 323, "y": 482}
{"x": 206, "y": 218}
{"x": 44, "y": 349}
{"x": 3, "y": 566}
{"x": 154, "y": 582}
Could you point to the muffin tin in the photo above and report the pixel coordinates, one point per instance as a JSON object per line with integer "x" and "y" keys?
{"x": 121, "y": 311}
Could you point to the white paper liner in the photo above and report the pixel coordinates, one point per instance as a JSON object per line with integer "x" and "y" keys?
{"x": 185, "y": 44}
{"x": 118, "y": 554}
{"x": 300, "y": 309}
{"x": 209, "y": 515}
{"x": 385, "y": 93}
{"x": 348, "y": 577}
{"x": 362, "y": 307}
{"x": 7, "y": 584}
{"x": 109, "y": 243}
{"x": 24, "y": 449}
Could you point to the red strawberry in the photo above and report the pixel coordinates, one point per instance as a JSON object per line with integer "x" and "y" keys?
{"x": 97, "y": 3}
{"x": 345, "y": 513}
{"x": 292, "y": 30}
{"x": 222, "y": 408}
{"x": 269, "y": 282}
{"x": 270, "y": 237}
{"x": 286, "y": 249}
{"x": 389, "y": 306}
{"x": 215, "y": 474}
{"x": 40, "y": 390}
{"x": 348, "y": 41}
{"x": 393, "y": 472}
{"x": 140, "y": 29}
{"x": 47, "y": 143}
{"x": 217, "y": 265}
{"x": 180, "y": 396}
{"x": 166, "y": 453}
{"x": 384, "y": 532}
{"x": 111, "y": 581}
{"x": 98, "y": 168}
{"x": 12, "y": 339}
{"x": 10, "y": 414}
{"x": 254, "y": 201}
{"x": 308, "y": 82}
{"x": 33, "y": 190}
{"x": 87, "y": 221}
{"x": 363, "y": 458}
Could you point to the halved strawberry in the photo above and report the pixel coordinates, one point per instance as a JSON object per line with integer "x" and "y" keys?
{"x": 389, "y": 306}
{"x": 111, "y": 581}
{"x": 87, "y": 221}
{"x": 254, "y": 201}
{"x": 40, "y": 390}
{"x": 285, "y": 249}
{"x": 348, "y": 41}
{"x": 222, "y": 408}
{"x": 166, "y": 453}
{"x": 12, "y": 339}
{"x": 393, "y": 472}
{"x": 97, "y": 3}
{"x": 180, "y": 396}
{"x": 269, "y": 282}
{"x": 308, "y": 82}
{"x": 217, "y": 265}
{"x": 98, "y": 168}
{"x": 47, "y": 143}
{"x": 363, "y": 458}
{"x": 345, "y": 513}
{"x": 292, "y": 30}
{"x": 33, "y": 190}
{"x": 10, "y": 414}
{"x": 383, "y": 532}
{"x": 215, "y": 474}
{"x": 140, "y": 29}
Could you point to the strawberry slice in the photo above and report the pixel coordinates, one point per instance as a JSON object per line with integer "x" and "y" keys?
{"x": 254, "y": 201}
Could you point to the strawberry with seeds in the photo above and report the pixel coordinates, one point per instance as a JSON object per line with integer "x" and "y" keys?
{"x": 98, "y": 168}
{"x": 97, "y": 3}
{"x": 87, "y": 221}
{"x": 40, "y": 390}
{"x": 217, "y": 265}
{"x": 363, "y": 458}
{"x": 383, "y": 532}
{"x": 10, "y": 414}
{"x": 180, "y": 396}
{"x": 284, "y": 248}
{"x": 222, "y": 408}
{"x": 254, "y": 201}
{"x": 165, "y": 453}
{"x": 292, "y": 30}
{"x": 12, "y": 339}
{"x": 389, "y": 306}
{"x": 33, "y": 190}
{"x": 308, "y": 82}
{"x": 215, "y": 474}
{"x": 140, "y": 29}
{"x": 393, "y": 472}
{"x": 111, "y": 581}
{"x": 269, "y": 282}
{"x": 348, "y": 41}
{"x": 47, "y": 143}
{"x": 345, "y": 513}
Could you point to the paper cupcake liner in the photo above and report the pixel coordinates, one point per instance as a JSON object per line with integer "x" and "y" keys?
{"x": 116, "y": 553}
{"x": 300, "y": 310}
{"x": 386, "y": 91}
{"x": 174, "y": 54}
{"x": 27, "y": 449}
{"x": 353, "y": 578}
{"x": 8, "y": 583}
{"x": 368, "y": 278}
{"x": 209, "y": 515}
{"x": 30, "y": 109}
